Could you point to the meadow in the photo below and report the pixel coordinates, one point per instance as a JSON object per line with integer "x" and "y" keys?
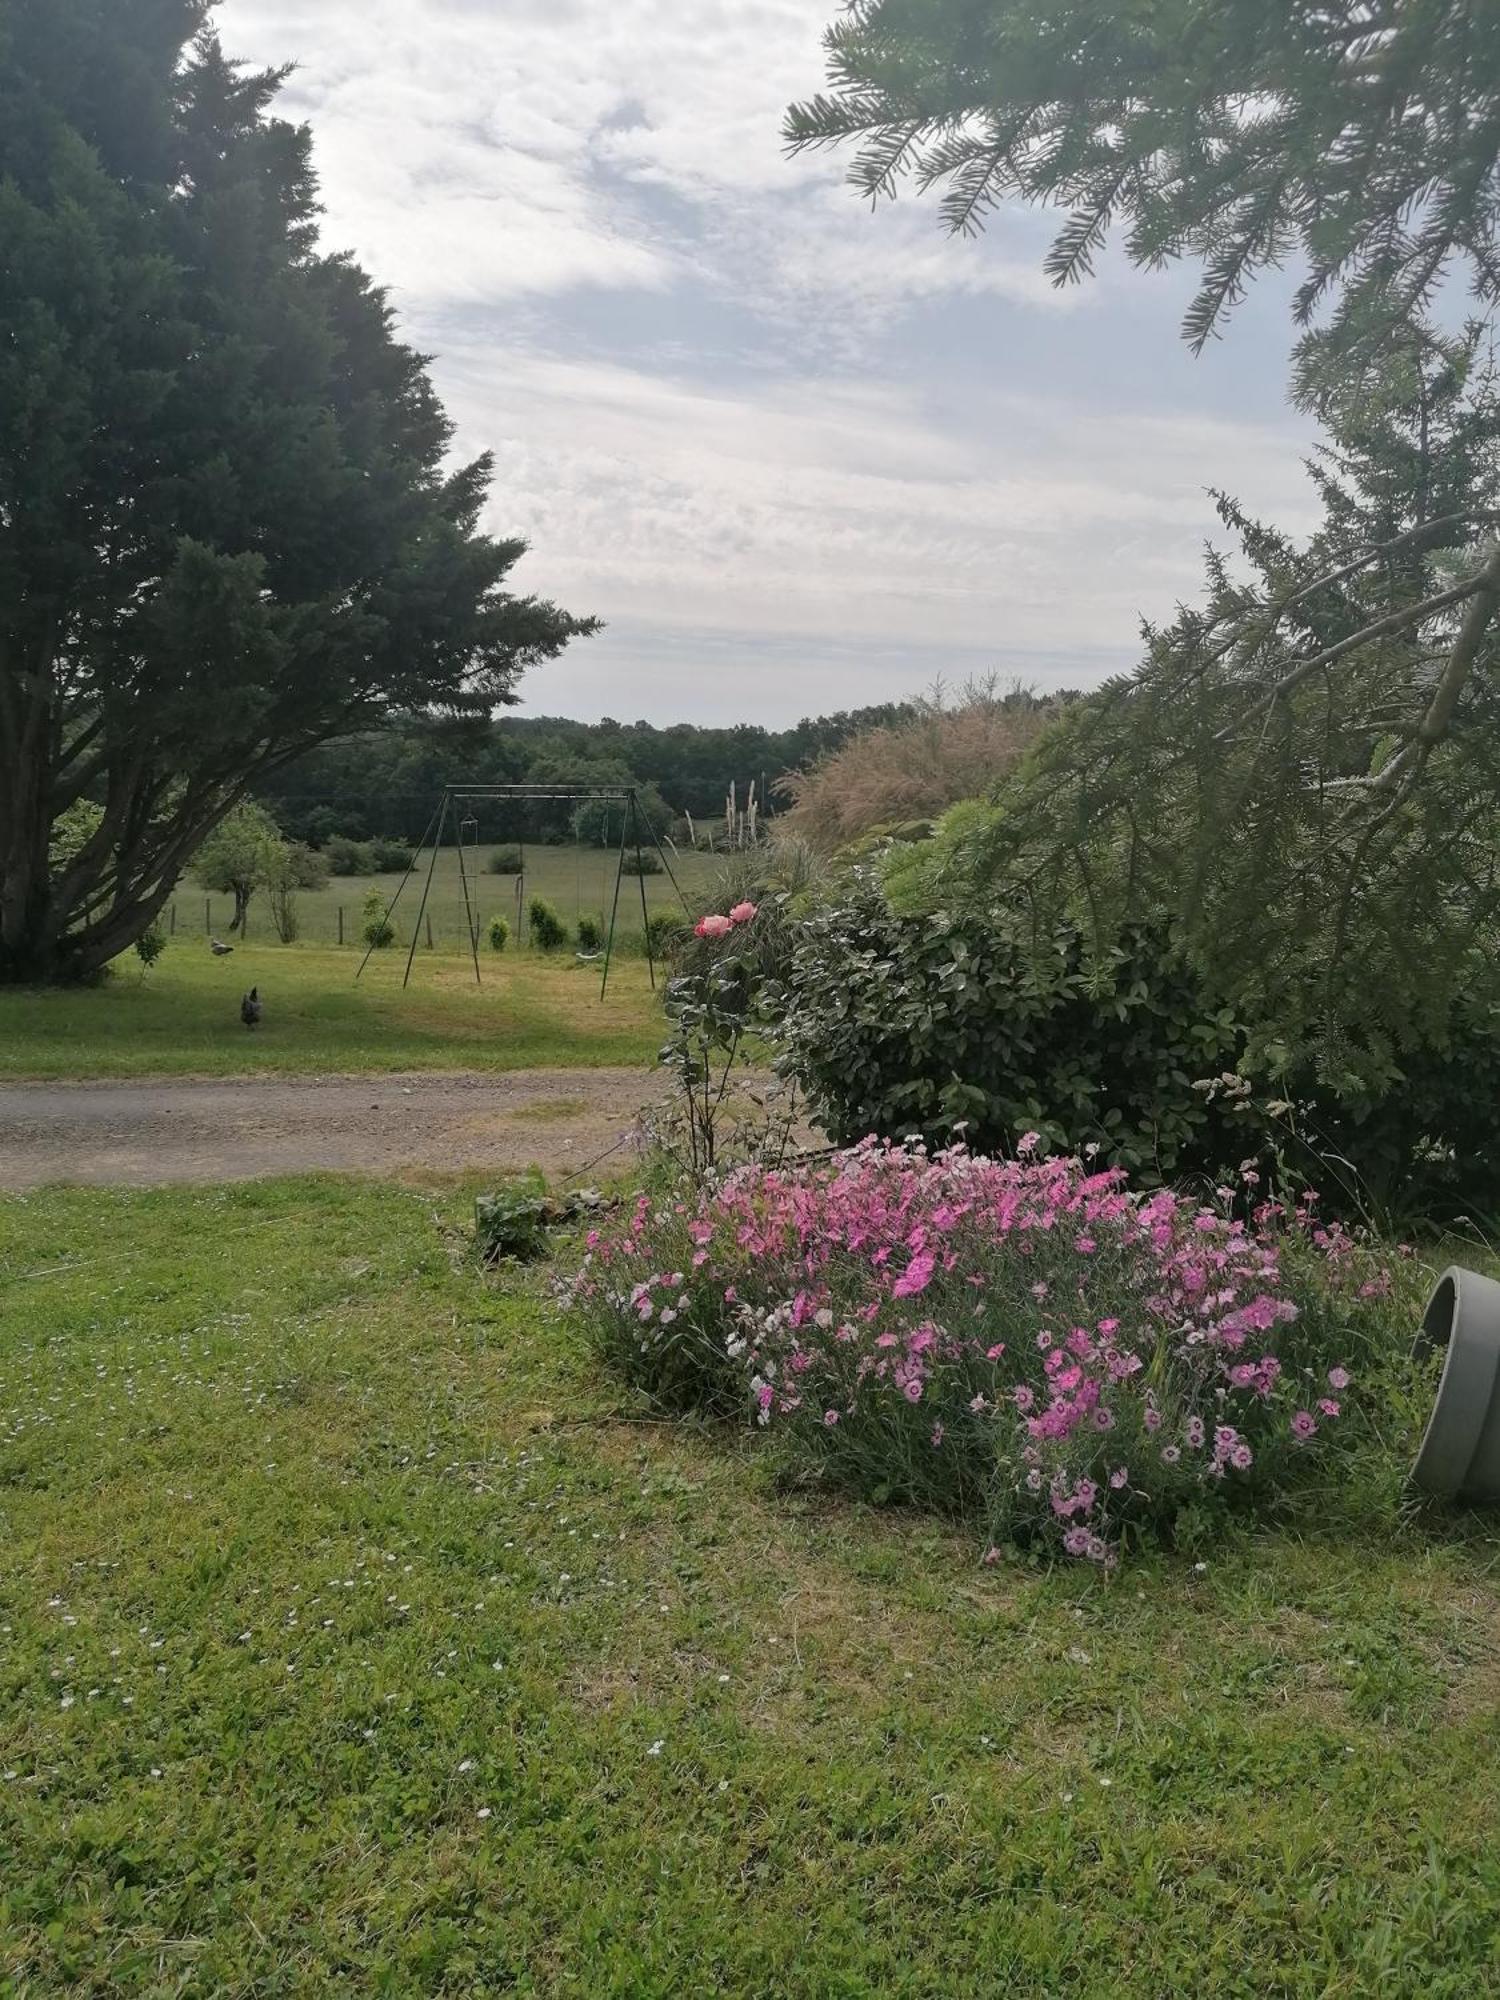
{"x": 359, "y": 1635}
{"x": 181, "y": 1018}
{"x": 575, "y": 880}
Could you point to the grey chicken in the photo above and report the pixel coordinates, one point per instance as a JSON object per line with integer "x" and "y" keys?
{"x": 250, "y": 1007}
{"x": 219, "y": 950}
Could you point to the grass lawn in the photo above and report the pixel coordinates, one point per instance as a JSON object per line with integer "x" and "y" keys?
{"x": 355, "y": 1638}
{"x": 575, "y": 880}
{"x": 182, "y": 1018}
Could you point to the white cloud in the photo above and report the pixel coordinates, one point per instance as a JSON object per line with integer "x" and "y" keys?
{"x": 843, "y": 510}
{"x": 687, "y": 353}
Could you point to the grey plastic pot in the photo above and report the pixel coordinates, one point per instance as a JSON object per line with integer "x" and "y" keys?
{"x": 1460, "y": 1454}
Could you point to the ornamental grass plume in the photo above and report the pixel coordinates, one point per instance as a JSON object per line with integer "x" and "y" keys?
{"x": 1028, "y": 1343}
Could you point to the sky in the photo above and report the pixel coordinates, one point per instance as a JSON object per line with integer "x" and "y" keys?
{"x": 800, "y": 456}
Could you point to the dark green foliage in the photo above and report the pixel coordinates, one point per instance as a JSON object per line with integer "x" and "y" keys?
{"x": 349, "y": 857}
{"x": 230, "y": 524}
{"x": 928, "y": 1024}
{"x": 1370, "y": 159}
{"x": 545, "y": 927}
{"x": 646, "y": 862}
{"x": 590, "y": 931}
{"x": 512, "y": 1222}
{"x": 498, "y": 933}
{"x": 388, "y": 780}
{"x": 389, "y": 857}
{"x": 939, "y": 1025}
{"x": 506, "y": 861}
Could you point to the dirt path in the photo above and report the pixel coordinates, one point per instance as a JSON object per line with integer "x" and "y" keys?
{"x": 138, "y": 1133}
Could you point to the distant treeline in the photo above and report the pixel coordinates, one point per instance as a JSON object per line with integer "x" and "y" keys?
{"x": 387, "y": 782}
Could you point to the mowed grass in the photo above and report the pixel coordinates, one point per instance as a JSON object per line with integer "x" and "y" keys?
{"x": 358, "y": 1638}
{"x": 575, "y": 880}
{"x": 182, "y": 1018}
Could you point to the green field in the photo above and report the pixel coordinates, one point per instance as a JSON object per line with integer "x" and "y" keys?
{"x": 574, "y": 879}
{"x": 182, "y": 1018}
{"x": 359, "y": 1639}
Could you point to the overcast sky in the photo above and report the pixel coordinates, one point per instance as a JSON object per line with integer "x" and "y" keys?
{"x": 799, "y": 456}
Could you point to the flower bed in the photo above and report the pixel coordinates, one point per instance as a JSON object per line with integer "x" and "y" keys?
{"x": 1026, "y": 1343}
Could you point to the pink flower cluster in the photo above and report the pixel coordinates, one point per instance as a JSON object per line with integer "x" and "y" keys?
{"x": 1028, "y": 1341}
{"x": 716, "y": 926}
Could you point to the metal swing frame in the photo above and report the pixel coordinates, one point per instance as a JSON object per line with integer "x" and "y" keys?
{"x": 459, "y": 801}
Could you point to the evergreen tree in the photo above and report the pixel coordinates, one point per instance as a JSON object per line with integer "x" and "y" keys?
{"x": 1359, "y": 136}
{"x": 227, "y": 528}
{"x": 1304, "y": 776}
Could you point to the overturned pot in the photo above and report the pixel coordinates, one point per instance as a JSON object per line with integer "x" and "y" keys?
{"x": 1460, "y": 1454}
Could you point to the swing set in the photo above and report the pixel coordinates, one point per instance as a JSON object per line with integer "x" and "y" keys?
{"x": 460, "y": 803}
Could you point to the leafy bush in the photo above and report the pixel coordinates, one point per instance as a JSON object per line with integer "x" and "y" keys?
{"x": 547, "y": 930}
{"x": 512, "y": 1222}
{"x": 378, "y": 930}
{"x": 943, "y": 1025}
{"x": 644, "y": 863}
{"x": 590, "y": 932}
{"x": 1027, "y": 1344}
{"x": 498, "y": 933}
{"x": 348, "y": 857}
{"x": 929, "y": 1025}
{"x": 151, "y": 943}
{"x": 390, "y": 857}
{"x": 506, "y": 861}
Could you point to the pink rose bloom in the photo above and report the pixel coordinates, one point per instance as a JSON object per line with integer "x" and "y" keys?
{"x": 744, "y": 913}
{"x": 713, "y": 927}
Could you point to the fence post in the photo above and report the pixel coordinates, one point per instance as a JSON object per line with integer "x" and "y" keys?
{"x": 429, "y": 934}
{"x": 172, "y": 926}
{"x": 208, "y": 919}
{"x": 341, "y": 923}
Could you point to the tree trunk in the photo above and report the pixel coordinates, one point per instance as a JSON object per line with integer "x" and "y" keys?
{"x": 27, "y": 925}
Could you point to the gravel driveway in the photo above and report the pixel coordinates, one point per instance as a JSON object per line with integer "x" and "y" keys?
{"x": 138, "y": 1133}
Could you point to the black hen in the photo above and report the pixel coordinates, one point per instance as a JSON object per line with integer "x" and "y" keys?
{"x": 250, "y": 1007}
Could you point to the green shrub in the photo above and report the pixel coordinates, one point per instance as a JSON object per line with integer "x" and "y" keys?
{"x": 378, "y": 930}
{"x": 590, "y": 933}
{"x": 349, "y": 857}
{"x": 512, "y": 1222}
{"x": 643, "y": 863}
{"x": 390, "y": 857}
{"x": 547, "y": 930}
{"x": 506, "y": 861}
{"x": 498, "y": 933}
{"x": 933, "y": 1025}
{"x": 947, "y": 1025}
{"x": 151, "y": 943}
